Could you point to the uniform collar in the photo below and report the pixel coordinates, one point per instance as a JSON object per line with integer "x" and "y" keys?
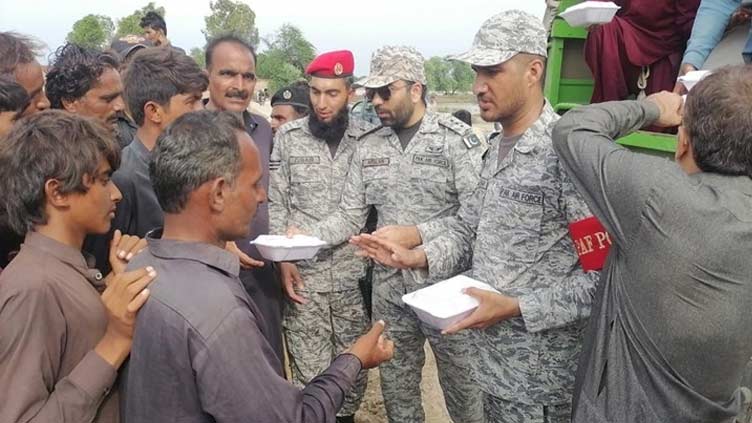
{"x": 207, "y": 254}
{"x": 537, "y": 133}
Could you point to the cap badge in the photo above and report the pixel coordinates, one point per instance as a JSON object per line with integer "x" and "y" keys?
{"x": 287, "y": 94}
{"x": 338, "y": 69}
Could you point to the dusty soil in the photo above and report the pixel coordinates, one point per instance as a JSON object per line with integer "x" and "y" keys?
{"x": 372, "y": 408}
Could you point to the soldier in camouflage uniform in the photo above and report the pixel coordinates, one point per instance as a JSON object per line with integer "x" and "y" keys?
{"x": 516, "y": 223}
{"x": 326, "y": 314}
{"x": 417, "y": 167}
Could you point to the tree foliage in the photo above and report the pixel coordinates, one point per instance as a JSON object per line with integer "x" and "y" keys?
{"x": 231, "y": 17}
{"x": 131, "y": 24}
{"x": 274, "y": 66}
{"x": 448, "y": 76}
{"x": 198, "y": 55}
{"x": 289, "y": 41}
{"x": 94, "y": 31}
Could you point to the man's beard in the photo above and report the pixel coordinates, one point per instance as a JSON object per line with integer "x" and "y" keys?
{"x": 332, "y": 131}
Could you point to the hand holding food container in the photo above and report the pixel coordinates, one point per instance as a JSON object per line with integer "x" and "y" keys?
{"x": 459, "y": 303}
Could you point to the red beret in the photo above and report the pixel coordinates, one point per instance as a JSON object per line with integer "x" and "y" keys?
{"x": 334, "y": 64}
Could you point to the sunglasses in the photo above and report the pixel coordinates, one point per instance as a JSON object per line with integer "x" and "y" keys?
{"x": 385, "y": 92}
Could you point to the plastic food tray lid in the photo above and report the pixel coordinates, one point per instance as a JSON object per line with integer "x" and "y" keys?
{"x": 445, "y": 299}
{"x": 282, "y": 241}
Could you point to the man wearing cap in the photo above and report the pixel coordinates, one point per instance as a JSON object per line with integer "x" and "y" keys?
{"x": 416, "y": 167}
{"x": 516, "y": 226}
{"x": 309, "y": 165}
{"x": 288, "y": 104}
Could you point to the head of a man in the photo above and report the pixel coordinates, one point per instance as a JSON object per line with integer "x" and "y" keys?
{"x": 18, "y": 61}
{"x": 289, "y": 103}
{"x": 329, "y": 92}
{"x": 126, "y": 47}
{"x": 13, "y": 101}
{"x": 231, "y": 64}
{"x": 155, "y": 28}
{"x": 86, "y": 81}
{"x": 509, "y": 59}
{"x": 207, "y": 166}
{"x": 716, "y": 131}
{"x": 162, "y": 84}
{"x": 396, "y": 86}
{"x": 55, "y": 168}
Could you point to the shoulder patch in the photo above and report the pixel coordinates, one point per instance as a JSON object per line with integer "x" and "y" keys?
{"x": 471, "y": 140}
{"x": 452, "y": 123}
{"x": 291, "y": 126}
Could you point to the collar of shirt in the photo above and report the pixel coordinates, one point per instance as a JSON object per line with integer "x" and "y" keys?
{"x": 140, "y": 149}
{"x": 538, "y": 132}
{"x": 250, "y": 121}
{"x": 207, "y": 254}
{"x": 83, "y": 263}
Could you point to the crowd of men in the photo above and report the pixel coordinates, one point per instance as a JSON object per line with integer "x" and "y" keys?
{"x": 130, "y": 290}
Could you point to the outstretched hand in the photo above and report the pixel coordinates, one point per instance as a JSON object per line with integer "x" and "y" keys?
{"x": 389, "y": 253}
{"x": 493, "y": 308}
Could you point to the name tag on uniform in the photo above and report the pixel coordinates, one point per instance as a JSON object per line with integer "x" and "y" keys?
{"x": 522, "y": 196}
{"x": 304, "y": 160}
{"x": 430, "y": 160}
{"x": 384, "y": 161}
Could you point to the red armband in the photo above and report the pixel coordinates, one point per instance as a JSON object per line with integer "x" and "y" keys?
{"x": 591, "y": 242}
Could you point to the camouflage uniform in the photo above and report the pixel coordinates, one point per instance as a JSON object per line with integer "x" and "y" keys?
{"x": 306, "y": 186}
{"x": 517, "y": 224}
{"x": 429, "y": 179}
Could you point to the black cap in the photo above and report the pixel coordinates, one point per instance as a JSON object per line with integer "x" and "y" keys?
{"x": 292, "y": 95}
{"x": 125, "y": 46}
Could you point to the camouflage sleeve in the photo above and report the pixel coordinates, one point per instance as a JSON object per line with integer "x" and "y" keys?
{"x": 568, "y": 297}
{"x": 614, "y": 181}
{"x": 353, "y": 210}
{"x": 279, "y": 183}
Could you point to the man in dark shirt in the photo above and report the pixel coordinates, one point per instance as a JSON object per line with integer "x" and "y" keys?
{"x": 200, "y": 352}
{"x": 160, "y": 86}
{"x": 669, "y": 334}
{"x": 61, "y": 343}
{"x": 231, "y": 64}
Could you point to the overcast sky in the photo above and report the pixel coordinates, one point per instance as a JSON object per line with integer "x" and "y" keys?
{"x": 435, "y": 27}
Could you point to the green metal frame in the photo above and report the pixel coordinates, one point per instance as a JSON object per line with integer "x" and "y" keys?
{"x": 567, "y": 93}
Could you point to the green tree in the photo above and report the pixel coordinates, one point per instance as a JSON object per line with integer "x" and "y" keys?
{"x": 198, "y": 55}
{"x": 94, "y": 31}
{"x": 274, "y": 66}
{"x": 231, "y": 17}
{"x": 131, "y": 24}
{"x": 463, "y": 76}
{"x": 438, "y": 74}
{"x": 289, "y": 40}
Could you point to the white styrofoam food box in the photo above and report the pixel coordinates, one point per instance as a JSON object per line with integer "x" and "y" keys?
{"x": 282, "y": 248}
{"x": 443, "y": 303}
{"x": 590, "y": 13}
{"x": 690, "y": 79}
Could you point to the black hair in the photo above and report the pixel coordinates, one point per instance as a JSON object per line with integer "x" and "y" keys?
{"x": 13, "y": 97}
{"x": 229, "y": 38}
{"x": 154, "y": 21}
{"x": 74, "y": 71}
{"x": 158, "y": 74}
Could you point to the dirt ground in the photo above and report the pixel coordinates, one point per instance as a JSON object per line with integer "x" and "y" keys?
{"x": 372, "y": 408}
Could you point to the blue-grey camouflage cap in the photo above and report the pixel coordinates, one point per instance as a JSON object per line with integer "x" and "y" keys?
{"x": 505, "y": 35}
{"x": 392, "y": 63}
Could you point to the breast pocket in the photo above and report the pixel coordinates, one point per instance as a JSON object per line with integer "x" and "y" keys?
{"x": 375, "y": 181}
{"x": 308, "y": 195}
{"x": 521, "y": 213}
{"x": 429, "y": 184}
